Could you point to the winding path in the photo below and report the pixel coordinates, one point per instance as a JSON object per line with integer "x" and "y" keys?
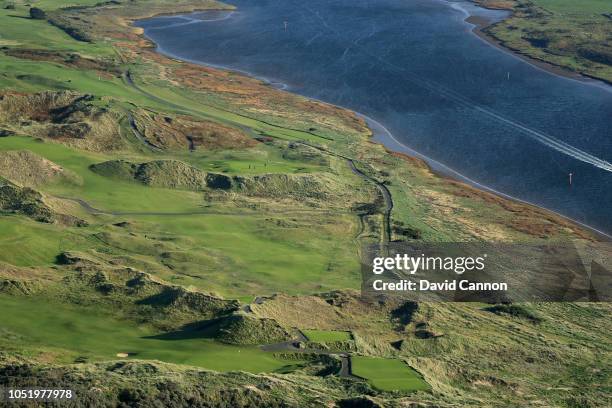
{"x": 383, "y": 190}
{"x": 139, "y": 134}
{"x": 290, "y": 347}
{"x": 386, "y": 194}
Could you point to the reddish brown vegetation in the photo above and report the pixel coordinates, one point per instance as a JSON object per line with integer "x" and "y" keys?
{"x": 182, "y": 132}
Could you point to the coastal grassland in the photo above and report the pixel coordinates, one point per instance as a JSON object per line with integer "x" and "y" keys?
{"x": 570, "y": 34}
{"x": 142, "y": 275}
{"x": 185, "y": 100}
{"x": 53, "y": 68}
{"x": 323, "y": 336}
{"x": 169, "y": 86}
{"x": 387, "y": 374}
{"x": 572, "y": 7}
{"x": 49, "y": 64}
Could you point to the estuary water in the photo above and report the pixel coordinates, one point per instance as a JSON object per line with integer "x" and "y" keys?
{"x": 419, "y": 73}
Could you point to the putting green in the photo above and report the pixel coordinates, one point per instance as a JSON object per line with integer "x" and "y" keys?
{"x": 388, "y": 374}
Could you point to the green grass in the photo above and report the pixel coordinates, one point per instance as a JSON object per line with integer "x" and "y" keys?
{"x": 239, "y": 252}
{"x": 388, "y": 374}
{"x": 326, "y": 336}
{"x": 28, "y": 243}
{"x": 102, "y": 192}
{"x": 242, "y": 255}
{"x": 576, "y": 6}
{"x": 66, "y": 332}
{"x": 55, "y": 4}
{"x": 259, "y": 160}
{"x": 28, "y": 33}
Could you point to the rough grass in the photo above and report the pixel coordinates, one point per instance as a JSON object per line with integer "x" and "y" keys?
{"x": 25, "y": 201}
{"x": 146, "y": 383}
{"x": 241, "y": 328}
{"x": 184, "y": 133}
{"x": 171, "y": 174}
{"x": 25, "y": 168}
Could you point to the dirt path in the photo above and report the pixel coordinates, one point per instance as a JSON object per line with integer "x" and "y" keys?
{"x": 384, "y": 191}
{"x": 386, "y": 194}
{"x": 346, "y": 368}
{"x": 139, "y": 135}
{"x": 290, "y": 347}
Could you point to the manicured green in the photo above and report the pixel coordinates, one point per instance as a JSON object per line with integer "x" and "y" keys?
{"x": 261, "y": 159}
{"x": 327, "y": 336}
{"x": 388, "y": 374}
{"x": 68, "y": 332}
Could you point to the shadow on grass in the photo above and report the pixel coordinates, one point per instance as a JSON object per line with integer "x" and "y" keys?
{"x": 206, "y": 329}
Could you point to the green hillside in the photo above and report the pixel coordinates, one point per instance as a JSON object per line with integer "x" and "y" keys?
{"x": 169, "y": 233}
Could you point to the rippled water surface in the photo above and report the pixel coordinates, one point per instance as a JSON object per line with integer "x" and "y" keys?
{"x": 416, "y": 68}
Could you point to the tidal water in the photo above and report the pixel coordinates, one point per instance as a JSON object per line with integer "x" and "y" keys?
{"x": 416, "y": 69}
